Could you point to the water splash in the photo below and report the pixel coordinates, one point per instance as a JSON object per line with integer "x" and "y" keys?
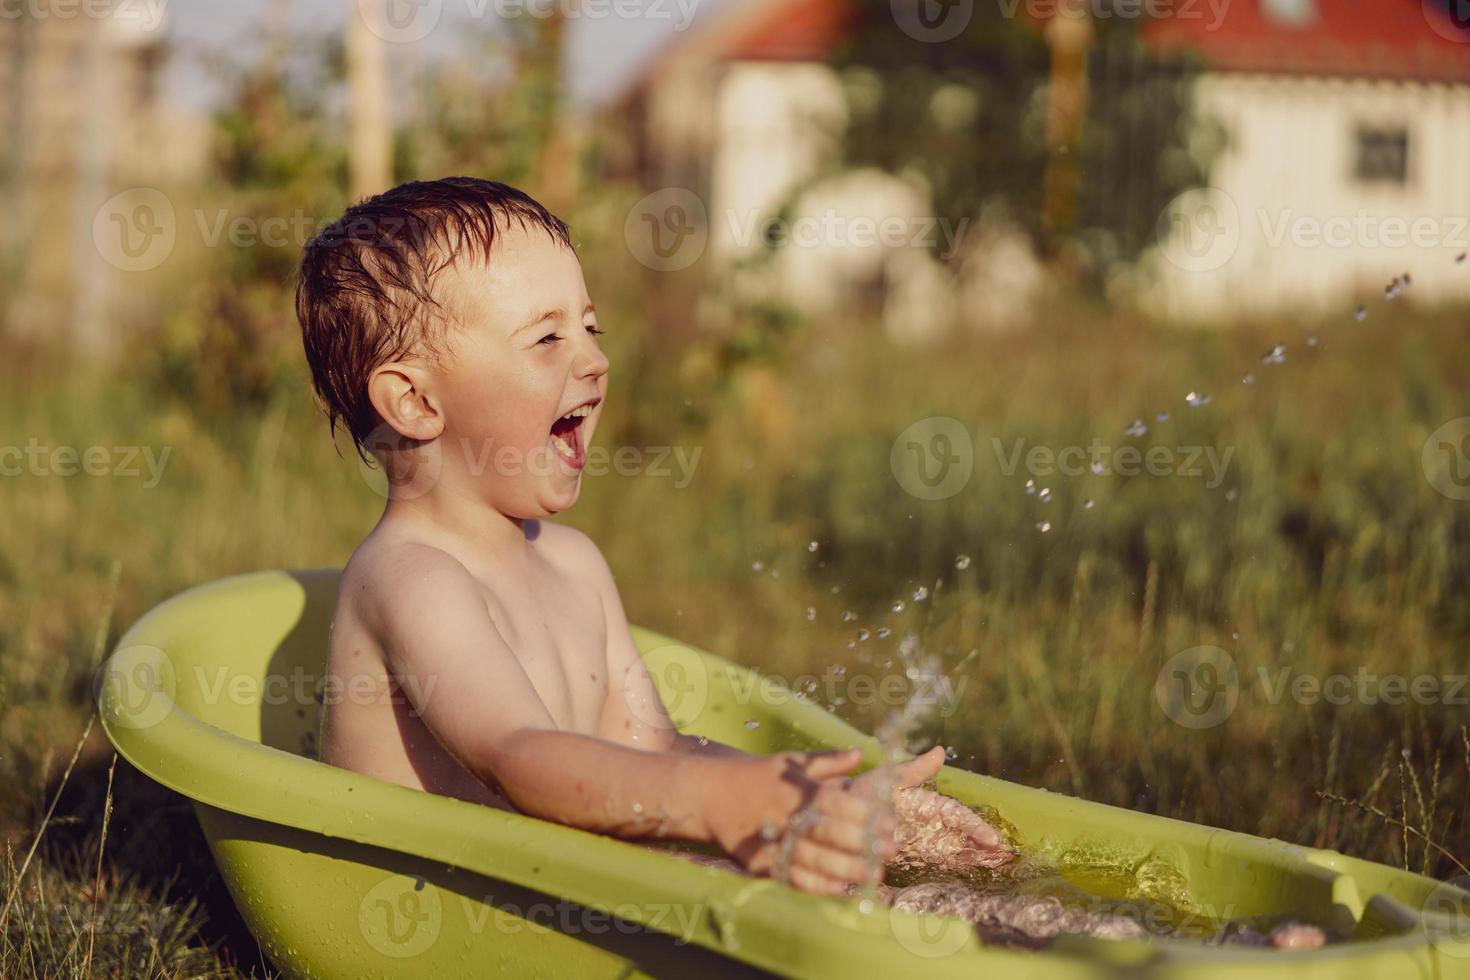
{"x": 962, "y": 562}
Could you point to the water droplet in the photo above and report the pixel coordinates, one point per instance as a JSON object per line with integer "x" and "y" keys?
{"x": 1249, "y": 379}
{"x": 1136, "y": 429}
{"x": 863, "y": 636}
{"x": 752, "y": 724}
{"x": 1276, "y": 355}
{"x": 703, "y": 740}
{"x": 849, "y": 616}
{"x": 1231, "y": 494}
{"x": 851, "y": 644}
{"x": 950, "y": 754}
{"x": 920, "y": 594}
{"x": 637, "y": 807}
{"x": 1045, "y": 494}
{"x": 888, "y": 662}
{"x": 1098, "y": 468}
{"x": 1162, "y": 417}
{"x": 775, "y": 573}
{"x": 1235, "y": 636}
{"x": 757, "y": 566}
{"x": 1088, "y": 504}
{"x": 836, "y": 589}
{"x": 838, "y": 670}
{"x": 884, "y": 632}
{"x": 1196, "y": 399}
{"x": 1312, "y": 341}
{"x": 811, "y": 614}
{"x": 1360, "y": 314}
{"x": 1043, "y": 526}
{"x": 1030, "y": 487}
{"x": 962, "y": 562}
{"x": 812, "y": 547}
{"x": 898, "y": 605}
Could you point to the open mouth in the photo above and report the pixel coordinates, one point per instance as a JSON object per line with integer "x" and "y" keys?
{"x": 567, "y": 438}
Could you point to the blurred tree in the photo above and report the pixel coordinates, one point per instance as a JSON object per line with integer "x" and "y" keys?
{"x": 971, "y": 115}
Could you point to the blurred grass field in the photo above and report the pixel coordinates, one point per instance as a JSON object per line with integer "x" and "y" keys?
{"x": 1323, "y": 549}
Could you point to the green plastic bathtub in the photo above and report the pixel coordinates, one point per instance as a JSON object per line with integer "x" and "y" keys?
{"x": 213, "y": 694}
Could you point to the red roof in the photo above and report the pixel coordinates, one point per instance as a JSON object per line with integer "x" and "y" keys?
{"x": 1390, "y": 39}
{"x": 1410, "y": 39}
{"x": 800, "y": 30}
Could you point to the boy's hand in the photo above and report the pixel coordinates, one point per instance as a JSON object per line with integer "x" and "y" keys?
{"x": 933, "y": 829}
{"x": 793, "y": 813}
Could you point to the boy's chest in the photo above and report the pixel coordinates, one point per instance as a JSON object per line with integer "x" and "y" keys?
{"x": 559, "y": 636}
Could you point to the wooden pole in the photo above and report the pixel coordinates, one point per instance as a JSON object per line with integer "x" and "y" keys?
{"x": 370, "y": 147}
{"x": 1068, "y": 35}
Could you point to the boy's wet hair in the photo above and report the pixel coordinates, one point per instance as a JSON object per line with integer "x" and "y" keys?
{"x": 363, "y": 296}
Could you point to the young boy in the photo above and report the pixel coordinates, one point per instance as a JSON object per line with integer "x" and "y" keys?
{"x": 448, "y": 329}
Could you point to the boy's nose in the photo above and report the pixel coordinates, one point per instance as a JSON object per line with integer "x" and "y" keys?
{"x": 592, "y": 363}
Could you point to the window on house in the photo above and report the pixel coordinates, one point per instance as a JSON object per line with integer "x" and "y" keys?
{"x": 1383, "y": 156}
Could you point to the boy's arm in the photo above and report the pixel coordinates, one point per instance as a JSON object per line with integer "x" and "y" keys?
{"x": 634, "y": 713}
{"x": 468, "y": 687}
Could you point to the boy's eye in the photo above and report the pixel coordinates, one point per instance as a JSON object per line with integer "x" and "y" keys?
{"x": 549, "y": 338}
{"x": 592, "y": 329}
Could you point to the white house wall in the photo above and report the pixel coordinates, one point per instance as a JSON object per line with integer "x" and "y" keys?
{"x": 1289, "y": 226}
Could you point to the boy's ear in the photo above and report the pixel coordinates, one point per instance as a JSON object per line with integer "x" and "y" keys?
{"x": 400, "y": 393}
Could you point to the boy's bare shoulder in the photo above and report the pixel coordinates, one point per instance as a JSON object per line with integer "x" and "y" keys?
{"x": 393, "y": 575}
{"x": 573, "y": 553}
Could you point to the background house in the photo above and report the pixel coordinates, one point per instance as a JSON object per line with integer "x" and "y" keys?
{"x": 1338, "y": 130}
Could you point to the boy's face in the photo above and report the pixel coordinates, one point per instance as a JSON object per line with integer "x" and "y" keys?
{"x": 522, "y": 356}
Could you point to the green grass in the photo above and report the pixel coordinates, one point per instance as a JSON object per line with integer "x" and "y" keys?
{"x": 1323, "y": 550}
